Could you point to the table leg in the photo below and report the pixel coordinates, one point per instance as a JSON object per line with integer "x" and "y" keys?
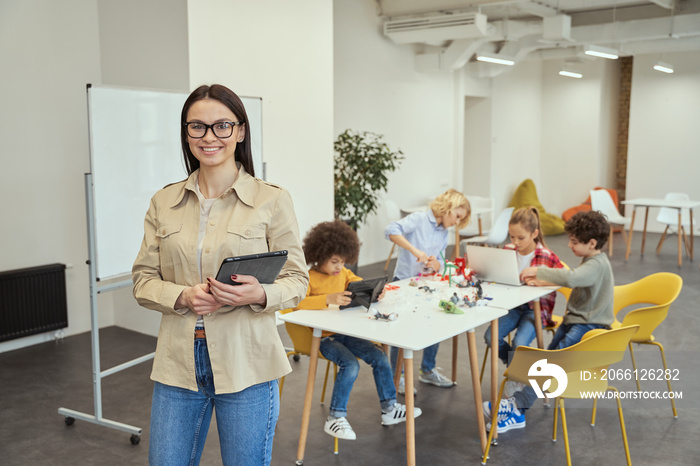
{"x": 476, "y": 386}
{"x": 680, "y": 247}
{"x": 494, "y": 371}
{"x": 310, "y": 380}
{"x": 410, "y": 420}
{"x": 644, "y": 230}
{"x": 480, "y": 230}
{"x": 690, "y": 213}
{"x": 455, "y": 346}
{"x": 629, "y": 237}
{"x": 538, "y": 323}
{"x": 399, "y": 368}
{"x": 456, "y": 251}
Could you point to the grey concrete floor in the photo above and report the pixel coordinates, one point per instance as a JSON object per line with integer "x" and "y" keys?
{"x": 36, "y": 381}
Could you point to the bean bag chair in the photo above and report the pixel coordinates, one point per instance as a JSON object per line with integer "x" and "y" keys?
{"x": 526, "y": 195}
{"x": 586, "y": 206}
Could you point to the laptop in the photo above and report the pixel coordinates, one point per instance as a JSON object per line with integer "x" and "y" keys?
{"x": 494, "y": 264}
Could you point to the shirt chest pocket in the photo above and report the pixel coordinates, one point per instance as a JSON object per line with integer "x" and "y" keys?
{"x": 247, "y": 239}
{"x": 172, "y": 244}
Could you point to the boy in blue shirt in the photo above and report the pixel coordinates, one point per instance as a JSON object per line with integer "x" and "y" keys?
{"x": 423, "y": 237}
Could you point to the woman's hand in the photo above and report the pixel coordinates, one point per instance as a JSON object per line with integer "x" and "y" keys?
{"x": 341, "y": 299}
{"x": 198, "y": 300}
{"x": 250, "y": 291}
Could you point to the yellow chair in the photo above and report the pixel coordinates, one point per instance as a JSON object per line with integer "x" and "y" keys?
{"x": 565, "y": 292}
{"x": 596, "y": 351}
{"x": 301, "y": 339}
{"x": 659, "y": 290}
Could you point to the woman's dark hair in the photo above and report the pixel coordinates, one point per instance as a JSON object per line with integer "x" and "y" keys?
{"x": 229, "y": 98}
{"x": 331, "y": 238}
{"x": 585, "y": 226}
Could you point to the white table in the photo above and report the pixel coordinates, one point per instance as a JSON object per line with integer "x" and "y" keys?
{"x": 650, "y": 202}
{"x": 420, "y": 324}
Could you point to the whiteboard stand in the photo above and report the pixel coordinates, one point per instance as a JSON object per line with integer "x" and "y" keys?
{"x": 97, "y": 374}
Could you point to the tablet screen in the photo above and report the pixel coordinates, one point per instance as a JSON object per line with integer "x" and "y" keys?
{"x": 264, "y": 266}
{"x": 365, "y": 292}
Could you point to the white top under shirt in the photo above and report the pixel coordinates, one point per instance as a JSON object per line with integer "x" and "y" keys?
{"x": 204, "y": 209}
{"x": 524, "y": 261}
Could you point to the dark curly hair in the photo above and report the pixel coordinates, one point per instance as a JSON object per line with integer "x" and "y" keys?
{"x": 331, "y": 238}
{"x": 585, "y": 226}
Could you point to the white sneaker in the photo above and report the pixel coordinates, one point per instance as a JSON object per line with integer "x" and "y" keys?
{"x": 398, "y": 414}
{"x": 511, "y": 388}
{"x": 434, "y": 377}
{"x": 339, "y": 427}
{"x": 402, "y": 387}
{"x": 505, "y": 408}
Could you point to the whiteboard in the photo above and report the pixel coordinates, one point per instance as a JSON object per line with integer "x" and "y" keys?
{"x": 135, "y": 150}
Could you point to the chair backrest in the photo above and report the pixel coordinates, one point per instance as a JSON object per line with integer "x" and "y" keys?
{"x": 669, "y": 216}
{"x": 602, "y": 202}
{"x": 592, "y": 354}
{"x": 301, "y": 336}
{"x": 486, "y": 219}
{"x": 658, "y": 289}
{"x": 499, "y": 231}
{"x": 392, "y": 211}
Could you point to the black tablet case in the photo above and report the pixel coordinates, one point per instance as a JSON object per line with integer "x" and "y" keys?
{"x": 365, "y": 292}
{"x": 264, "y": 266}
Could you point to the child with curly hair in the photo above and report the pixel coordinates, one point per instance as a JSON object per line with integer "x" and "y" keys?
{"x": 327, "y": 247}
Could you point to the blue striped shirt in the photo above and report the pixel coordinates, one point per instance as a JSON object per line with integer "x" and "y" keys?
{"x": 423, "y": 232}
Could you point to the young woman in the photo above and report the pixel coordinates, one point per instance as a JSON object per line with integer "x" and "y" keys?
{"x": 218, "y": 347}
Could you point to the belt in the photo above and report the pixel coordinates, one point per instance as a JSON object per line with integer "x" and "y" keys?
{"x": 199, "y": 334}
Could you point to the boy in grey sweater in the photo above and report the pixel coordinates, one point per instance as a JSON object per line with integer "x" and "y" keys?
{"x": 590, "y": 304}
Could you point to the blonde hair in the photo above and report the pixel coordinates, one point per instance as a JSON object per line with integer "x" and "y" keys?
{"x": 529, "y": 219}
{"x": 448, "y": 202}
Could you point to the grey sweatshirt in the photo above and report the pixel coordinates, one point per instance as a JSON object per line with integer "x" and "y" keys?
{"x": 592, "y": 283}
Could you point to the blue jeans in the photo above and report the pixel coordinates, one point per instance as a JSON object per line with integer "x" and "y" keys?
{"x": 566, "y": 335}
{"x": 429, "y": 356}
{"x": 180, "y": 419}
{"x": 521, "y": 318}
{"x": 344, "y": 351}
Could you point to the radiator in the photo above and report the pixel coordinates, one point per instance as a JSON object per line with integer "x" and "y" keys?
{"x": 32, "y": 300}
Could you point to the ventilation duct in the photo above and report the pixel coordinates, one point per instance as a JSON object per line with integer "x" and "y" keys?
{"x": 436, "y": 28}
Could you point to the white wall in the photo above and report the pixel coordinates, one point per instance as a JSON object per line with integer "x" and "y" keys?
{"x": 49, "y": 51}
{"x": 377, "y": 89}
{"x": 516, "y": 127}
{"x": 664, "y": 138}
{"x": 283, "y": 52}
{"x": 143, "y": 43}
{"x": 579, "y": 131}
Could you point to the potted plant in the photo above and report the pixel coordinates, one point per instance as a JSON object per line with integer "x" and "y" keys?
{"x": 362, "y": 162}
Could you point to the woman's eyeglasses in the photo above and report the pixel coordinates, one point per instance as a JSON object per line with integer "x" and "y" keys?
{"x": 222, "y": 129}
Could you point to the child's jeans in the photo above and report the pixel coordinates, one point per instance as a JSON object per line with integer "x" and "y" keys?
{"x": 428, "y": 362}
{"x": 567, "y": 335}
{"x": 344, "y": 351}
{"x": 521, "y": 318}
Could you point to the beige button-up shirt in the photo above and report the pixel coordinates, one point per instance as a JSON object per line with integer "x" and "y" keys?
{"x": 252, "y": 216}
